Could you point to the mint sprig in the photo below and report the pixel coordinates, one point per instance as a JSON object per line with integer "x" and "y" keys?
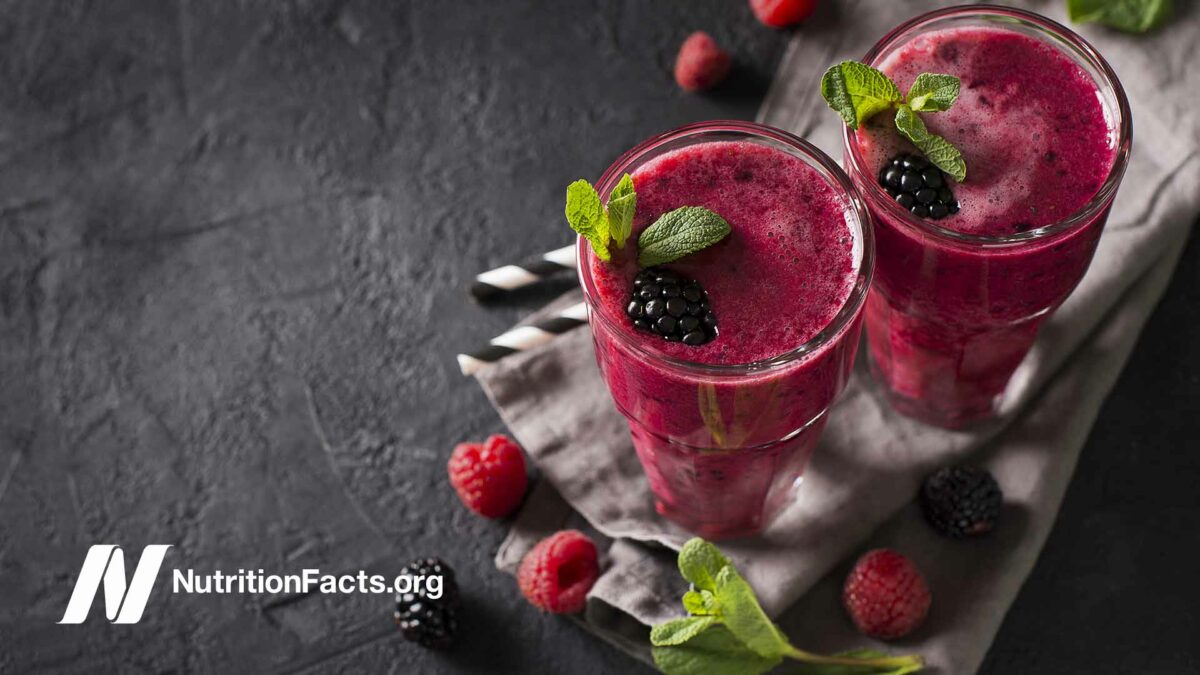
{"x": 728, "y": 633}
{"x": 713, "y": 651}
{"x": 675, "y": 234}
{"x": 1131, "y": 16}
{"x": 681, "y": 232}
{"x": 858, "y": 92}
{"x": 622, "y": 204}
{"x": 586, "y": 216}
{"x": 931, "y": 92}
{"x": 939, "y": 151}
{"x": 599, "y": 224}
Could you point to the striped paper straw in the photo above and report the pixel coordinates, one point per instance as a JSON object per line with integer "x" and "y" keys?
{"x": 512, "y": 277}
{"x": 524, "y": 337}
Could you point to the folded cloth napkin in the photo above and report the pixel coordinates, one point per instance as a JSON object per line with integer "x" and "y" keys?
{"x": 858, "y": 489}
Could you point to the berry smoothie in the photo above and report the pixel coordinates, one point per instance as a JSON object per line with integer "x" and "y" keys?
{"x": 957, "y": 301}
{"x": 724, "y": 429}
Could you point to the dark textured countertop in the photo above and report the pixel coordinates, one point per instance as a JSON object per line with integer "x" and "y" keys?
{"x": 234, "y": 239}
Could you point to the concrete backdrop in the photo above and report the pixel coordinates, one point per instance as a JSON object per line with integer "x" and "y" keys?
{"x": 234, "y": 242}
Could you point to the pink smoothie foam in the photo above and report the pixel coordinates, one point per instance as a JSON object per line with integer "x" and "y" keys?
{"x": 1028, "y": 121}
{"x": 723, "y": 452}
{"x": 948, "y": 322}
{"x": 780, "y": 276}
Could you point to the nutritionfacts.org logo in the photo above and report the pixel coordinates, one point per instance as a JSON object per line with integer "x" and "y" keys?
{"x": 125, "y": 598}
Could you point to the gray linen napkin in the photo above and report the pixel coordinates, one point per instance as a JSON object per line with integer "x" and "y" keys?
{"x": 858, "y": 489}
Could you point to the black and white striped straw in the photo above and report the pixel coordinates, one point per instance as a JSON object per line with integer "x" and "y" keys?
{"x": 512, "y": 277}
{"x": 524, "y": 337}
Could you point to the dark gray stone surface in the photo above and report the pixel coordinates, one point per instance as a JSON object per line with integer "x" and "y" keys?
{"x": 234, "y": 243}
{"x": 234, "y": 239}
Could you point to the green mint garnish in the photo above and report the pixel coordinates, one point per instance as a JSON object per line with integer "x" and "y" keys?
{"x": 701, "y": 564}
{"x": 681, "y": 232}
{"x": 586, "y": 216}
{"x": 1131, "y": 16}
{"x": 933, "y": 93}
{"x": 622, "y": 204}
{"x": 675, "y": 234}
{"x": 714, "y": 651}
{"x": 728, "y": 633}
{"x": 678, "y": 631}
{"x": 939, "y": 151}
{"x": 858, "y": 92}
{"x": 594, "y": 222}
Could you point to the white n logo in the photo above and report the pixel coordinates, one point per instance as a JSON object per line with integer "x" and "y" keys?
{"x": 123, "y": 603}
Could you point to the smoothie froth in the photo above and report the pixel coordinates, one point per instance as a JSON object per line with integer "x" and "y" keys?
{"x": 781, "y": 275}
{"x": 1030, "y": 123}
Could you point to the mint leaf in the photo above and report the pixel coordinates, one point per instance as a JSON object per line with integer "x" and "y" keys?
{"x": 932, "y": 92}
{"x": 679, "y": 631}
{"x": 713, "y": 652}
{"x": 701, "y": 603}
{"x": 700, "y": 562}
{"x": 937, "y": 149}
{"x": 745, "y": 618}
{"x": 678, "y": 233}
{"x": 857, "y": 92}
{"x": 586, "y": 216}
{"x": 1131, "y": 16}
{"x": 622, "y": 203}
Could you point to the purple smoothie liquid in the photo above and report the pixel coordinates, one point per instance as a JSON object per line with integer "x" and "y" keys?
{"x": 722, "y": 452}
{"x": 949, "y": 321}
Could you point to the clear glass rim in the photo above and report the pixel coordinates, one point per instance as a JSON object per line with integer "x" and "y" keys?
{"x": 745, "y": 130}
{"x": 1124, "y": 128}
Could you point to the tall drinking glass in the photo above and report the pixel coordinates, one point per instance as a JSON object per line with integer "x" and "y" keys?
{"x": 724, "y": 431}
{"x": 1045, "y": 129}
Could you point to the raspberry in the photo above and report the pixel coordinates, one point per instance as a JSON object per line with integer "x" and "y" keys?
{"x": 885, "y": 595}
{"x": 489, "y": 477}
{"x": 782, "y": 13}
{"x": 558, "y": 572}
{"x": 701, "y": 64}
{"x": 961, "y": 501}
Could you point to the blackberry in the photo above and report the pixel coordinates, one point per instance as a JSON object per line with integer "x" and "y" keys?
{"x": 429, "y": 622}
{"x": 918, "y": 186}
{"x": 672, "y": 307}
{"x": 961, "y": 501}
